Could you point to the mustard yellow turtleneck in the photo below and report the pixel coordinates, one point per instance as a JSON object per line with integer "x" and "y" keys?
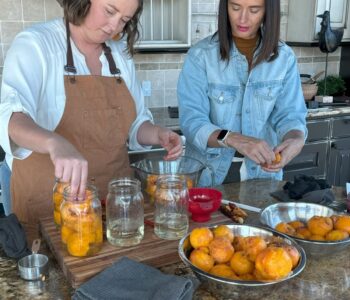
{"x": 246, "y": 47}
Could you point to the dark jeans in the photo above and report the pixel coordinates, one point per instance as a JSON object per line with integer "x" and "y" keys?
{"x": 5, "y": 180}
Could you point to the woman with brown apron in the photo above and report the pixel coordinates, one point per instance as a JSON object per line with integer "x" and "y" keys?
{"x": 99, "y": 115}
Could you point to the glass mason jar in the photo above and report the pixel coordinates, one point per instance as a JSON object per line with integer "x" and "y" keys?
{"x": 124, "y": 212}
{"x": 57, "y": 201}
{"x": 81, "y": 222}
{"x": 171, "y": 206}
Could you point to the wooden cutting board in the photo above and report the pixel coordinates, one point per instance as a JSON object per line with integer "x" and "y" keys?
{"x": 151, "y": 251}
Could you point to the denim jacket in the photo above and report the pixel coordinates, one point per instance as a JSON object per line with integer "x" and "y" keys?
{"x": 264, "y": 103}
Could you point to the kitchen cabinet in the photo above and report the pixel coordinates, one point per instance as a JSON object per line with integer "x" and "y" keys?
{"x": 303, "y": 24}
{"x": 326, "y": 154}
{"x": 165, "y": 24}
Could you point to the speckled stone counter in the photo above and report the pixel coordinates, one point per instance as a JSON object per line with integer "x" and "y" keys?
{"x": 161, "y": 115}
{"x": 323, "y": 277}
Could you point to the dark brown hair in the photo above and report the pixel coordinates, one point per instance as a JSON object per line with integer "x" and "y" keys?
{"x": 75, "y": 11}
{"x": 270, "y": 32}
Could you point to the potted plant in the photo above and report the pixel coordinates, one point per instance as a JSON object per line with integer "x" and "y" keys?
{"x": 331, "y": 85}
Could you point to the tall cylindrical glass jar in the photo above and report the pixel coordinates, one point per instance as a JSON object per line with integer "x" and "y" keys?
{"x": 57, "y": 200}
{"x": 171, "y": 206}
{"x": 124, "y": 212}
{"x": 81, "y": 222}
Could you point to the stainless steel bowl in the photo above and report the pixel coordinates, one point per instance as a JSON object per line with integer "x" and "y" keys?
{"x": 232, "y": 288}
{"x": 291, "y": 211}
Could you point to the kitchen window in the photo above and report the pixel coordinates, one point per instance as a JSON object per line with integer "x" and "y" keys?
{"x": 165, "y": 24}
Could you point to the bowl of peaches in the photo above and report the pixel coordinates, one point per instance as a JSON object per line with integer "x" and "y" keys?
{"x": 317, "y": 228}
{"x": 235, "y": 258}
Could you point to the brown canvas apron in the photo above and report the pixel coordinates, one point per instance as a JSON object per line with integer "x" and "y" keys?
{"x": 96, "y": 120}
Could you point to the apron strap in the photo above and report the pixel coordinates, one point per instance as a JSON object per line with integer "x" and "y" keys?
{"x": 112, "y": 66}
{"x": 69, "y": 67}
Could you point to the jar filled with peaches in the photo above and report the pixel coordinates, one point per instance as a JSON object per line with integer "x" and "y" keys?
{"x": 81, "y": 222}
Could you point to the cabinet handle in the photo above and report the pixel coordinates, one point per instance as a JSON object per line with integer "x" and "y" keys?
{"x": 333, "y": 145}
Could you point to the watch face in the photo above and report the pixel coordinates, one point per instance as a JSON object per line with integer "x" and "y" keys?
{"x": 222, "y": 134}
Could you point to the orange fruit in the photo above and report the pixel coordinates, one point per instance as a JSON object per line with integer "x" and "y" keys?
{"x": 293, "y": 253}
{"x": 204, "y": 249}
{"x": 238, "y": 243}
{"x": 241, "y": 264}
{"x": 285, "y": 228}
{"x": 77, "y": 245}
{"x": 273, "y": 263}
{"x": 221, "y": 249}
{"x": 65, "y": 233}
{"x": 253, "y": 246}
{"x": 57, "y": 217}
{"x": 337, "y": 235}
{"x": 296, "y": 224}
{"x": 249, "y": 276}
{"x": 223, "y": 231}
{"x": 222, "y": 270}
{"x": 317, "y": 237}
{"x": 320, "y": 225}
{"x": 278, "y": 158}
{"x": 201, "y": 237}
{"x": 343, "y": 223}
{"x": 303, "y": 232}
{"x": 201, "y": 260}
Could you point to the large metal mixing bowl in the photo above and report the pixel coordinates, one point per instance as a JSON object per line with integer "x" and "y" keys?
{"x": 291, "y": 211}
{"x": 232, "y": 288}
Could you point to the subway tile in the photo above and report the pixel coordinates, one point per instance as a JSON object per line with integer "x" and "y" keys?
{"x": 149, "y": 66}
{"x": 11, "y": 10}
{"x": 5, "y": 48}
{"x": 169, "y": 66}
{"x": 28, "y": 24}
{"x": 156, "y": 78}
{"x": 306, "y": 51}
{"x": 303, "y": 60}
{"x": 9, "y": 30}
{"x": 157, "y": 98}
{"x": 173, "y": 57}
{"x": 33, "y": 10}
{"x": 141, "y": 75}
{"x": 52, "y": 10}
{"x": 171, "y": 78}
{"x": 1, "y": 56}
{"x": 170, "y": 97}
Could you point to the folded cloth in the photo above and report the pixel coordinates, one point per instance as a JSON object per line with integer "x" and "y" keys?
{"x": 324, "y": 197}
{"x": 131, "y": 280}
{"x": 13, "y": 238}
{"x": 304, "y": 184}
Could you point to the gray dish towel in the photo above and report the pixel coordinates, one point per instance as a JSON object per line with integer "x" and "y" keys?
{"x": 324, "y": 197}
{"x": 131, "y": 280}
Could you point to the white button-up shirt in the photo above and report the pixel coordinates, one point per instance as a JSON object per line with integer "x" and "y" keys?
{"x": 33, "y": 81}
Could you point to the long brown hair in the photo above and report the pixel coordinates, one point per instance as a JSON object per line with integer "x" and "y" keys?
{"x": 75, "y": 11}
{"x": 270, "y": 32}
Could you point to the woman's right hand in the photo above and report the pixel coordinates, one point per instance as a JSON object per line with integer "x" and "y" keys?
{"x": 255, "y": 149}
{"x": 70, "y": 165}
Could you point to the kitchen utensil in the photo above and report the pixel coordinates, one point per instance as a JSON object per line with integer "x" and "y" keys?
{"x": 34, "y": 266}
{"x": 243, "y": 206}
{"x": 203, "y": 202}
{"x": 147, "y": 171}
{"x": 226, "y": 287}
{"x": 312, "y": 79}
{"x": 291, "y": 211}
{"x": 124, "y": 212}
{"x": 171, "y": 202}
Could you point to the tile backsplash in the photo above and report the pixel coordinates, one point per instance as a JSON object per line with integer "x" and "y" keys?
{"x": 161, "y": 69}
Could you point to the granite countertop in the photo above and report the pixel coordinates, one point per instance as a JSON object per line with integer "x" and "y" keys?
{"x": 323, "y": 278}
{"x": 161, "y": 115}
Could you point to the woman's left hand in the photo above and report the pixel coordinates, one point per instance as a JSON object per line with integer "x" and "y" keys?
{"x": 288, "y": 149}
{"x": 171, "y": 142}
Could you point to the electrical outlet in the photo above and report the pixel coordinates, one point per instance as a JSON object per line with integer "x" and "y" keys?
{"x": 147, "y": 88}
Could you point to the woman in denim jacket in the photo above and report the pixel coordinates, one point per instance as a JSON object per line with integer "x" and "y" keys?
{"x": 240, "y": 91}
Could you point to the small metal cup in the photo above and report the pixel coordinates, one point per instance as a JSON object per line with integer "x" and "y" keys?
{"x": 34, "y": 266}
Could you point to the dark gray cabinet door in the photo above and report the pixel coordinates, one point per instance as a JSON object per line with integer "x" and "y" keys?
{"x": 338, "y": 172}
{"x": 311, "y": 161}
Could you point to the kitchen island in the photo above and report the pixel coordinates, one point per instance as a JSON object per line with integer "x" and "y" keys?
{"x": 323, "y": 278}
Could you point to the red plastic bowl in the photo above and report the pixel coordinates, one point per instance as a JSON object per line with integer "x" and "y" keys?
{"x": 203, "y": 202}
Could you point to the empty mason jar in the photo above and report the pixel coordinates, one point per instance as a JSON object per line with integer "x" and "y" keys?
{"x": 124, "y": 212}
{"x": 81, "y": 222}
{"x": 171, "y": 206}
